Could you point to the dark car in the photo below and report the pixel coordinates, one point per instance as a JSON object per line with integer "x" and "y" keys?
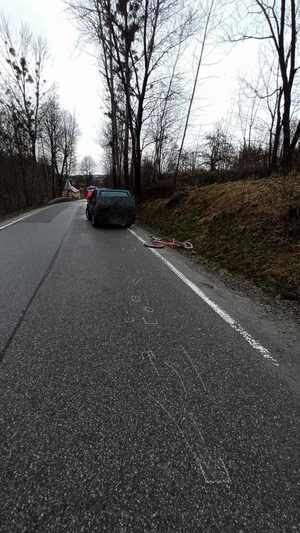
{"x": 111, "y": 207}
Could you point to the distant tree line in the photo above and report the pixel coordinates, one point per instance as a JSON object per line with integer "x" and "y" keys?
{"x": 37, "y": 136}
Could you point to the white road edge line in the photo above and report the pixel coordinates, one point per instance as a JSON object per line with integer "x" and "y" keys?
{"x": 16, "y": 220}
{"x": 234, "y": 324}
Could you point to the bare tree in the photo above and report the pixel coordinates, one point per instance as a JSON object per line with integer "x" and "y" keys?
{"x": 205, "y": 34}
{"x": 136, "y": 38}
{"x": 22, "y": 89}
{"x": 87, "y": 166}
{"x": 218, "y": 150}
{"x": 37, "y": 138}
{"x": 164, "y": 123}
{"x": 52, "y": 132}
{"x": 67, "y": 146}
{"x": 22, "y": 84}
{"x": 59, "y": 136}
{"x": 278, "y": 22}
{"x": 163, "y": 117}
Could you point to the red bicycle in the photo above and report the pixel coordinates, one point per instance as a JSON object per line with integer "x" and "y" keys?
{"x": 156, "y": 242}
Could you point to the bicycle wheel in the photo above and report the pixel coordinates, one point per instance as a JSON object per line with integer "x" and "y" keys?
{"x": 187, "y": 245}
{"x": 154, "y": 244}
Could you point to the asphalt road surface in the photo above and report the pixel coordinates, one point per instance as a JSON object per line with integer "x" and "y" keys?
{"x": 128, "y": 402}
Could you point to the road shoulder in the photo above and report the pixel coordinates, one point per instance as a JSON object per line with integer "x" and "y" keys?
{"x": 273, "y": 321}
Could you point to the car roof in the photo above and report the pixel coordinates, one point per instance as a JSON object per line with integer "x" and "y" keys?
{"x": 111, "y": 189}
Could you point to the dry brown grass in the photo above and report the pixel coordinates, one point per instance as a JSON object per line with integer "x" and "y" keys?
{"x": 243, "y": 226}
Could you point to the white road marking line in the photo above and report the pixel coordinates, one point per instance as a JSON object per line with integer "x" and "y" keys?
{"x": 33, "y": 212}
{"x": 234, "y": 324}
{"x": 16, "y": 220}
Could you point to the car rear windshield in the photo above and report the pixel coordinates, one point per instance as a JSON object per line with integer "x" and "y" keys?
{"x": 115, "y": 194}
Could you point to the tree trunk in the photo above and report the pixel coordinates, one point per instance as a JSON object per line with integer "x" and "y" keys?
{"x": 114, "y": 126}
{"x": 286, "y": 159}
{"x": 126, "y": 151}
{"x": 137, "y": 169}
{"x": 114, "y": 148}
{"x": 275, "y": 145}
{"x": 53, "y": 180}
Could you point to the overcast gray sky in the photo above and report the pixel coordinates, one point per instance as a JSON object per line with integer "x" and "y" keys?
{"x": 79, "y": 85}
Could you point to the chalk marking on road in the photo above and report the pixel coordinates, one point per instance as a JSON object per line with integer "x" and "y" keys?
{"x": 214, "y": 470}
{"x": 136, "y": 299}
{"x": 148, "y": 309}
{"x": 153, "y": 323}
{"x": 172, "y": 367}
{"x": 151, "y": 357}
{"x": 214, "y": 520}
{"x": 211, "y": 466}
{"x": 187, "y": 355}
{"x": 196, "y": 427}
{"x": 209, "y": 475}
{"x": 129, "y": 320}
{"x": 225, "y": 469}
{"x": 167, "y": 412}
{"x": 122, "y": 523}
{"x": 234, "y": 324}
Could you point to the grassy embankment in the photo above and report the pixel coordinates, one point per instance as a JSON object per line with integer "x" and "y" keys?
{"x": 249, "y": 227}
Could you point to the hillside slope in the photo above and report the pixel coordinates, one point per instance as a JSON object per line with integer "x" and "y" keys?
{"x": 250, "y": 227}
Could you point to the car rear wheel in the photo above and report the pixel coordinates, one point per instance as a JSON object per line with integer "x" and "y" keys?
{"x": 94, "y": 221}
